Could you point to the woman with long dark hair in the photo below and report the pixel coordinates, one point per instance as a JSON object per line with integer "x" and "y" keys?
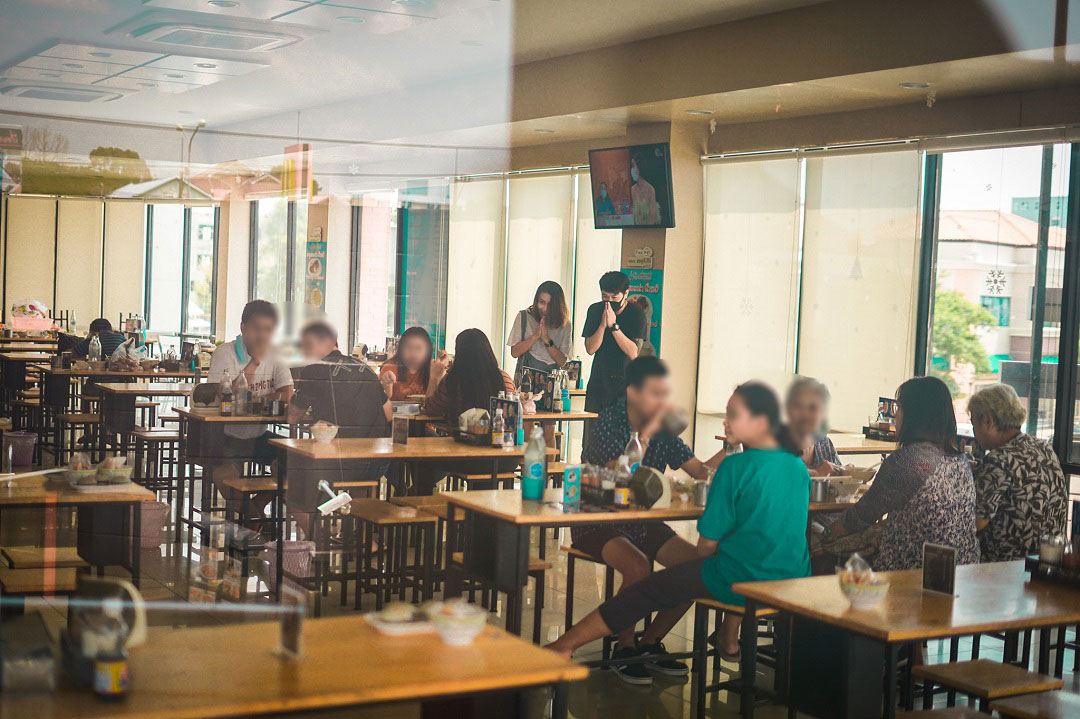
{"x": 540, "y": 337}
{"x": 473, "y": 379}
{"x": 925, "y": 487}
{"x": 753, "y": 528}
{"x": 413, "y": 369}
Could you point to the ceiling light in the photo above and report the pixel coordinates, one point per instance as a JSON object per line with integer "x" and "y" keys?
{"x": 544, "y": 131}
{"x": 174, "y": 75}
{"x": 74, "y": 65}
{"x": 50, "y": 74}
{"x": 147, "y": 84}
{"x": 352, "y": 19}
{"x": 699, "y": 112}
{"x": 412, "y": 3}
{"x": 914, "y": 85}
{"x": 206, "y": 65}
{"x": 222, "y": 3}
{"x": 183, "y": 112}
{"x": 100, "y": 53}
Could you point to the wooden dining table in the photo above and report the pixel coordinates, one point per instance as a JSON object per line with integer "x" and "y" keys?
{"x": 118, "y": 401}
{"x": 853, "y": 444}
{"x": 495, "y": 527}
{"x": 235, "y": 670}
{"x": 831, "y": 639}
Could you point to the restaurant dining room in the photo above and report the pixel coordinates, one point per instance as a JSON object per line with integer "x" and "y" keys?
{"x": 425, "y": 359}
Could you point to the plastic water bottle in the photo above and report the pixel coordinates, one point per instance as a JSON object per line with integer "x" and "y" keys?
{"x": 634, "y": 452}
{"x": 519, "y": 429}
{"x": 534, "y": 473}
{"x": 622, "y": 482}
{"x": 498, "y": 429}
{"x": 94, "y": 353}
{"x": 564, "y": 390}
{"x": 240, "y": 394}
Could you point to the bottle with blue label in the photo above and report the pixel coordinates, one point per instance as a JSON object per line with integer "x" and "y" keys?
{"x": 634, "y": 451}
{"x": 564, "y": 390}
{"x": 519, "y": 428}
{"x": 534, "y": 471}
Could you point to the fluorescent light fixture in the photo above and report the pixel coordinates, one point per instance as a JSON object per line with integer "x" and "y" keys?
{"x": 544, "y": 131}
{"x": 699, "y": 112}
{"x": 351, "y": 19}
{"x": 915, "y": 85}
{"x": 222, "y": 3}
{"x": 205, "y": 65}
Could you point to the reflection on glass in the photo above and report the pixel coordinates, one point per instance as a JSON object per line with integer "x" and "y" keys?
{"x": 989, "y": 286}
{"x": 166, "y": 251}
{"x": 200, "y": 267}
{"x": 272, "y": 247}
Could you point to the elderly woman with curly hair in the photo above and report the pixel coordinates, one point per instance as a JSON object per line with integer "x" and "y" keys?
{"x": 1020, "y": 490}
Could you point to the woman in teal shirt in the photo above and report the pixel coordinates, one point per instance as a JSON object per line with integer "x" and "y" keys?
{"x": 753, "y": 528}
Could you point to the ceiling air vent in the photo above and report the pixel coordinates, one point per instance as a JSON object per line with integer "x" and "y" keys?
{"x": 205, "y": 37}
{"x": 62, "y": 94}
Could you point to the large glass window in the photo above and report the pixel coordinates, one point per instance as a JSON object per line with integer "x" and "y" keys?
{"x": 475, "y": 292}
{"x": 181, "y": 271}
{"x": 278, "y": 261}
{"x": 596, "y": 252}
{"x": 997, "y": 291}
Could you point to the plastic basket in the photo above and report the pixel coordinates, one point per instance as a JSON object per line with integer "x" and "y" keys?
{"x": 297, "y": 558}
{"x": 22, "y": 447}
{"x": 152, "y": 524}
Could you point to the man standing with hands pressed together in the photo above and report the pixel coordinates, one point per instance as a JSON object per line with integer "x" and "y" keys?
{"x": 614, "y": 330}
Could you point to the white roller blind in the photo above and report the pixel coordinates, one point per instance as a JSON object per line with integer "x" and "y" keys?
{"x": 750, "y": 289}
{"x": 31, "y": 248}
{"x": 474, "y": 293}
{"x": 539, "y": 243}
{"x": 598, "y": 251}
{"x": 859, "y": 278}
{"x": 125, "y": 258}
{"x": 78, "y": 257}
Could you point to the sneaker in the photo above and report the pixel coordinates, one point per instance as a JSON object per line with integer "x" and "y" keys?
{"x": 630, "y": 673}
{"x": 663, "y": 662}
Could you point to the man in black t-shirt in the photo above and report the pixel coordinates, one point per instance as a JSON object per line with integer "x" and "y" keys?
{"x": 614, "y": 330}
{"x": 341, "y": 390}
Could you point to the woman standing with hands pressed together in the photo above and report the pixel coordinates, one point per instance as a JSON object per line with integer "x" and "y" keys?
{"x": 540, "y": 337}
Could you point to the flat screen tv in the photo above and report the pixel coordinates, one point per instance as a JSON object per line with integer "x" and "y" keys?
{"x": 631, "y": 186}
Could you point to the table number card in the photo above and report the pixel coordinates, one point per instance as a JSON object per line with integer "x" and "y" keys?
{"x": 939, "y": 569}
{"x": 401, "y": 430}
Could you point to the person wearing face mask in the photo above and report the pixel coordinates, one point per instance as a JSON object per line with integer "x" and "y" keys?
{"x": 614, "y": 330}
{"x": 604, "y": 205}
{"x": 643, "y": 195}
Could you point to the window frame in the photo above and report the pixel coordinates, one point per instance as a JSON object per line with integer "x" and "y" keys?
{"x": 185, "y": 270}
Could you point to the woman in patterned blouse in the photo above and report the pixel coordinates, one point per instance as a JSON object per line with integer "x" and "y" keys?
{"x": 925, "y": 487}
{"x": 805, "y": 406}
{"x": 1020, "y": 489}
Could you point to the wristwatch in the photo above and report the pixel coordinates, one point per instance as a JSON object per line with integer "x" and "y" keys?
{"x": 615, "y": 327}
{"x": 550, "y": 343}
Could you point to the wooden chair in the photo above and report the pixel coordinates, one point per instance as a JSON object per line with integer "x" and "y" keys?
{"x": 537, "y": 570}
{"x": 572, "y": 556}
{"x": 1046, "y": 705}
{"x": 387, "y": 570}
{"x": 982, "y": 678}
{"x": 157, "y": 460}
{"x": 70, "y": 427}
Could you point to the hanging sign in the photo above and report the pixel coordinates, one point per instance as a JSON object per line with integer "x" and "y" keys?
{"x": 315, "y": 276}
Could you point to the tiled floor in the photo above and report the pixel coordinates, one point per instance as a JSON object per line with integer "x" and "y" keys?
{"x": 166, "y": 571}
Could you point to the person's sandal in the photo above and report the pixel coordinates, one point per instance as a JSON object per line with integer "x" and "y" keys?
{"x": 714, "y": 642}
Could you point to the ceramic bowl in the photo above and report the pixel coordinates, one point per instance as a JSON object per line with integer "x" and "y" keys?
{"x": 81, "y": 476}
{"x": 864, "y": 595}
{"x": 457, "y": 622}
{"x": 324, "y": 433}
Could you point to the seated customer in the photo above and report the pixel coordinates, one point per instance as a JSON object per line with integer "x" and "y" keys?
{"x": 267, "y": 378}
{"x": 805, "y": 406}
{"x": 632, "y": 548}
{"x": 1020, "y": 490}
{"x": 925, "y": 487}
{"x": 753, "y": 528}
{"x": 412, "y": 371}
{"x": 340, "y": 390}
{"x": 110, "y": 340}
{"x": 471, "y": 382}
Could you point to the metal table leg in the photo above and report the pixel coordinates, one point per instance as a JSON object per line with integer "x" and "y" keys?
{"x": 748, "y": 660}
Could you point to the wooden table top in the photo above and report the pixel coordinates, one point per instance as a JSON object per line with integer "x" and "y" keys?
{"x": 577, "y": 393}
{"x": 148, "y": 389}
{"x": 989, "y": 597}
{"x": 830, "y": 506}
{"x": 43, "y": 490}
{"x": 24, "y": 356}
{"x": 507, "y": 505}
{"x": 377, "y": 511}
{"x": 118, "y": 373}
{"x": 233, "y": 671}
{"x": 535, "y": 417}
{"x": 853, "y": 444}
{"x": 418, "y": 448}
{"x": 213, "y": 416}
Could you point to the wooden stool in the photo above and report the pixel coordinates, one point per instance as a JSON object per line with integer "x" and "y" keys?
{"x": 537, "y": 570}
{"x": 458, "y": 482}
{"x": 68, "y": 425}
{"x": 982, "y": 678}
{"x": 156, "y": 449}
{"x": 703, "y": 610}
{"x": 1046, "y": 705}
{"x": 572, "y": 555}
{"x": 147, "y": 410}
{"x": 388, "y": 570}
{"x": 949, "y": 713}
